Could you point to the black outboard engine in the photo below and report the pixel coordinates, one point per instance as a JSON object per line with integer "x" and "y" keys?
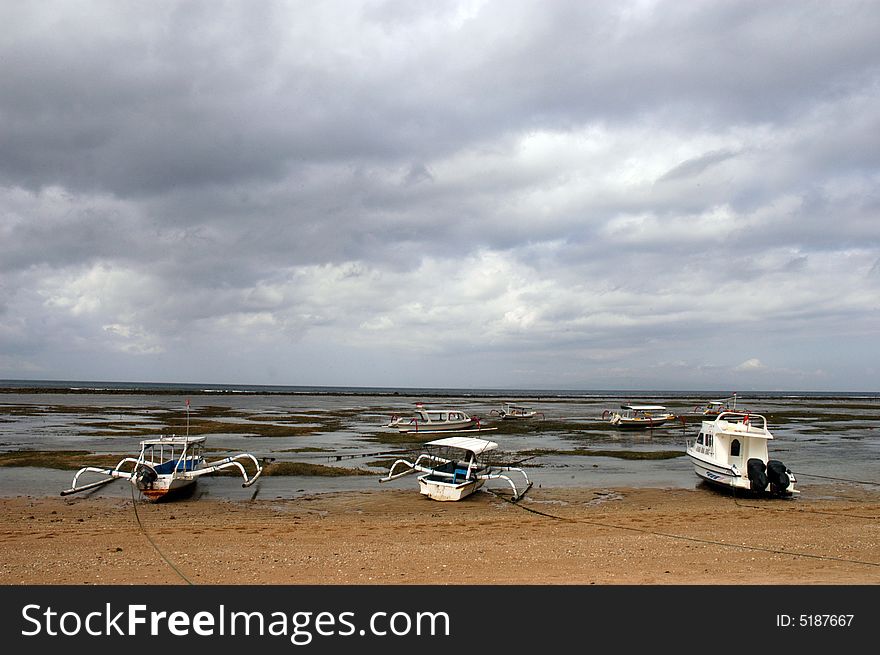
{"x": 758, "y": 479}
{"x": 777, "y": 474}
{"x": 145, "y": 475}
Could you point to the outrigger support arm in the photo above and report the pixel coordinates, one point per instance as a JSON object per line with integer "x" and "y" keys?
{"x": 516, "y": 494}
{"x": 229, "y": 462}
{"x": 113, "y": 474}
{"x": 412, "y": 467}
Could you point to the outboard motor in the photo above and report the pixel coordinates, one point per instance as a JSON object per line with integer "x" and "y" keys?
{"x": 755, "y": 469}
{"x": 777, "y": 474}
{"x": 145, "y": 476}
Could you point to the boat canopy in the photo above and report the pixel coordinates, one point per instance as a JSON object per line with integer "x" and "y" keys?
{"x": 173, "y": 441}
{"x": 471, "y": 444}
{"x": 644, "y": 408}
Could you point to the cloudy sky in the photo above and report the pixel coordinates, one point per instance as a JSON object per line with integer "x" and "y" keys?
{"x": 550, "y": 195}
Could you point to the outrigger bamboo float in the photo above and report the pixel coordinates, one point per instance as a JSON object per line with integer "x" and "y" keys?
{"x": 165, "y": 467}
{"x": 455, "y": 467}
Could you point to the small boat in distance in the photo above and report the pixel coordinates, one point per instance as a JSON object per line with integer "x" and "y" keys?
{"x": 511, "y": 411}
{"x": 731, "y": 452}
{"x": 455, "y": 467}
{"x": 166, "y": 466}
{"x": 430, "y": 421}
{"x": 638, "y": 417}
{"x": 715, "y": 407}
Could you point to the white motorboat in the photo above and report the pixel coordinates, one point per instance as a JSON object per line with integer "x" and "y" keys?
{"x": 731, "y": 451}
{"x": 511, "y": 411}
{"x": 430, "y": 421}
{"x": 638, "y": 416}
{"x": 455, "y": 467}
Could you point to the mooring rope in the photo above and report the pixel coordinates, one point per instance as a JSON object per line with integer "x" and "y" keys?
{"x": 682, "y": 537}
{"x": 812, "y": 511}
{"x": 827, "y": 477}
{"x": 153, "y": 543}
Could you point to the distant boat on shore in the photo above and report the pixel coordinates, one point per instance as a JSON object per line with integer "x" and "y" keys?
{"x": 638, "y": 417}
{"x": 511, "y": 411}
{"x": 429, "y": 421}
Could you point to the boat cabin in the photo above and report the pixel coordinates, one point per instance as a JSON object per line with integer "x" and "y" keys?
{"x": 734, "y": 440}
{"x": 645, "y": 411}
{"x": 166, "y": 455}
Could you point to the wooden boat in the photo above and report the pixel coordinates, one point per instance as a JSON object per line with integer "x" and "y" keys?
{"x": 638, "y": 417}
{"x": 455, "y": 467}
{"x": 166, "y": 467}
{"x": 510, "y": 411}
{"x": 731, "y": 451}
{"x": 431, "y": 421}
{"x": 715, "y": 407}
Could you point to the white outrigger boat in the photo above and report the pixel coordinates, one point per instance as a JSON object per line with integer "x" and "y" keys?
{"x": 715, "y": 407}
{"x": 638, "y": 416}
{"x": 432, "y": 421}
{"x": 511, "y": 411}
{"x": 455, "y": 467}
{"x": 166, "y": 466}
{"x": 731, "y": 451}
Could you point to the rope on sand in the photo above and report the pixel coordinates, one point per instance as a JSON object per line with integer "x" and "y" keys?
{"x": 153, "y": 543}
{"x": 813, "y": 511}
{"x": 682, "y": 537}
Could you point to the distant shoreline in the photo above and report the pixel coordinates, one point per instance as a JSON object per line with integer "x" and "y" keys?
{"x": 206, "y": 389}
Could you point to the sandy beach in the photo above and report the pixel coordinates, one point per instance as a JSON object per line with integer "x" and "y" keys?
{"x": 607, "y": 536}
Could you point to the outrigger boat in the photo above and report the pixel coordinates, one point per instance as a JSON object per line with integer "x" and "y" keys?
{"x": 715, "y": 407}
{"x": 432, "y": 421}
{"x": 455, "y": 467}
{"x": 166, "y": 466}
{"x": 511, "y": 411}
{"x": 731, "y": 451}
{"x": 638, "y": 416}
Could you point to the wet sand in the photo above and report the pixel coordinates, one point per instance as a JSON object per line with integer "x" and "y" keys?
{"x": 623, "y": 536}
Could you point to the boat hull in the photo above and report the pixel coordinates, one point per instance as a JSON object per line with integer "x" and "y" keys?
{"x": 639, "y": 424}
{"x": 725, "y": 477}
{"x": 718, "y": 475}
{"x": 437, "y": 426}
{"x": 166, "y": 488}
{"x": 447, "y": 491}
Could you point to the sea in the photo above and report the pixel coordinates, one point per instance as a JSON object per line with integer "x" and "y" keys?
{"x": 831, "y": 440}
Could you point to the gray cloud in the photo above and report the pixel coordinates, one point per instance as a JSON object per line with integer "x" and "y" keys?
{"x": 565, "y": 195}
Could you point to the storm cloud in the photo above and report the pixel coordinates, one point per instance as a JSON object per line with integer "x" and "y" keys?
{"x": 468, "y": 194}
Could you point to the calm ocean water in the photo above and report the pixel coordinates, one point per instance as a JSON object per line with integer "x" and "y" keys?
{"x": 817, "y": 435}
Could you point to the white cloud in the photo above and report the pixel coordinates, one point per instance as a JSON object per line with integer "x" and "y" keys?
{"x": 752, "y": 364}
